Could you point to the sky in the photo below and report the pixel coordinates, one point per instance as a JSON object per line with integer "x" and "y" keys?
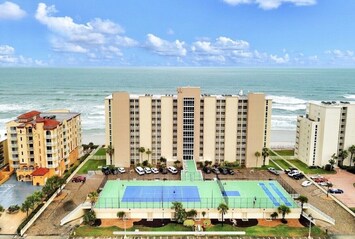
{"x": 186, "y": 33}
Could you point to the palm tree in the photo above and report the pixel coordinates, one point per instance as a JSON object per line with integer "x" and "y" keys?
{"x": 352, "y": 153}
{"x": 26, "y": 206}
{"x": 203, "y": 214}
{"x": 257, "y": 155}
{"x": 342, "y": 155}
{"x": 180, "y": 213}
{"x": 110, "y": 151}
{"x": 141, "y": 151}
{"x": 283, "y": 209}
{"x": 223, "y": 209}
{"x": 329, "y": 185}
{"x": 2, "y": 209}
{"x": 148, "y": 152}
{"x": 303, "y": 200}
{"x": 332, "y": 161}
{"x": 121, "y": 214}
{"x": 93, "y": 197}
{"x": 265, "y": 153}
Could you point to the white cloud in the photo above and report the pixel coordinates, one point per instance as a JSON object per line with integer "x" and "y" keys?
{"x": 8, "y": 57}
{"x": 96, "y": 39}
{"x": 271, "y": 4}
{"x": 11, "y": 11}
{"x": 170, "y": 31}
{"x": 280, "y": 59}
{"x": 164, "y": 47}
{"x": 340, "y": 54}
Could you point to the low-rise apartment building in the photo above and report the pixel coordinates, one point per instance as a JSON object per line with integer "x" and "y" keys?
{"x": 326, "y": 129}
{"x": 188, "y": 125}
{"x": 41, "y": 145}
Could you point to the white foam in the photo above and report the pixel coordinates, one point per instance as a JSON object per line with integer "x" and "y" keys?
{"x": 287, "y": 100}
{"x": 289, "y": 107}
{"x": 350, "y": 97}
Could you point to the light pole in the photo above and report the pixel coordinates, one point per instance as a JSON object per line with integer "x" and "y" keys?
{"x": 124, "y": 222}
{"x": 310, "y": 218}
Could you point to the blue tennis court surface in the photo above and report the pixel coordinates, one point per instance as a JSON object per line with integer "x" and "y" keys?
{"x": 231, "y": 193}
{"x": 269, "y": 194}
{"x": 283, "y": 198}
{"x": 161, "y": 194}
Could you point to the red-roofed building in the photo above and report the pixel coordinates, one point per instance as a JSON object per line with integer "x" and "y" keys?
{"x": 42, "y": 145}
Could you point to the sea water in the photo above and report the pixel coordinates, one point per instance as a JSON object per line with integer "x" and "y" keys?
{"x": 84, "y": 90}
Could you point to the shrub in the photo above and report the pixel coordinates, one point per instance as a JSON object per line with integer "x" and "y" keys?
{"x": 274, "y": 215}
{"x": 206, "y": 223}
{"x": 189, "y": 223}
{"x": 13, "y": 209}
{"x": 90, "y": 218}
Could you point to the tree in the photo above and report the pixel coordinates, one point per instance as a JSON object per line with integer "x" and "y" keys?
{"x": 93, "y": 197}
{"x": 332, "y": 161}
{"x": 283, "y": 209}
{"x": 274, "y": 215}
{"x": 191, "y": 214}
{"x": 162, "y": 160}
{"x": 352, "y": 153}
{"x": 26, "y": 206}
{"x": 2, "y": 209}
{"x": 303, "y": 200}
{"x": 265, "y": 153}
{"x": 257, "y": 155}
{"x": 90, "y": 218}
{"x": 342, "y": 156}
{"x": 148, "y": 152}
{"x": 110, "y": 151}
{"x": 223, "y": 209}
{"x": 329, "y": 185}
{"x": 180, "y": 213}
{"x": 52, "y": 184}
{"x": 121, "y": 214}
{"x": 203, "y": 214}
{"x": 141, "y": 151}
{"x": 91, "y": 145}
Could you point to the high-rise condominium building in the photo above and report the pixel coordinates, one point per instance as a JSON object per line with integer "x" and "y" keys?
{"x": 327, "y": 129}
{"x": 189, "y": 125}
{"x": 43, "y": 144}
{"x": 4, "y": 156}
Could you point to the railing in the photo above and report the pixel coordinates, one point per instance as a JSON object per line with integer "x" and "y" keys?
{"x": 313, "y": 208}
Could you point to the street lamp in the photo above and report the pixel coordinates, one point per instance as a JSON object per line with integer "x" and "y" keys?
{"x": 310, "y": 218}
{"x": 124, "y": 221}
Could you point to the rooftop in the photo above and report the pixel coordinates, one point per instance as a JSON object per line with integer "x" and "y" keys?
{"x": 40, "y": 172}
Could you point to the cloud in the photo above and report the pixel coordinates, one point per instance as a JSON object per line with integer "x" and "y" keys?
{"x": 270, "y": 4}
{"x": 345, "y": 54}
{"x": 11, "y": 11}
{"x": 170, "y": 31}
{"x": 280, "y": 59}
{"x": 164, "y": 47}
{"x": 9, "y": 58}
{"x": 96, "y": 39}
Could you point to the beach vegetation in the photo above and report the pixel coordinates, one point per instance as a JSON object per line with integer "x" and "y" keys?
{"x": 342, "y": 156}
{"x": 141, "y": 152}
{"x": 332, "y": 161}
{"x": 180, "y": 212}
{"x": 302, "y": 199}
{"x": 148, "y": 152}
{"x": 274, "y": 215}
{"x": 121, "y": 215}
{"x": 93, "y": 197}
{"x": 89, "y": 218}
{"x": 351, "y": 150}
{"x": 189, "y": 223}
{"x": 265, "y": 153}
{"x": 223, "y": 209}
{"x": 283, "y": 209}
{"x": 257, "y": 155}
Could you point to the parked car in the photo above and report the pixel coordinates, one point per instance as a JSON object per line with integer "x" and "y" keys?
{"x": 287, "y": 171}
{"x": 335, "y": 190}
{"x": 323, "y": 183}
{"x": 154, "y": 170}
{"x": 121, "y": 170}
{"x": 306, "y": 183}
{"x": 273, "y": 171}
{"x": 320, "y": 180}
{"x": 172, "y": 170}
{"x": 163, "y": 170}
{"x": 224, "y": 171}
{"x": 293, "y": 173}
{"x": 298, "y": 176}
{"x": 106, "y": 170}
{"x": 147, "y": 170}
{"x": 207, "y": 170}
{"x": 114, "y": 171}
{"x": 230, "y": 171}
{"x": 215, "y": 170}
{"x": 140, "y": 170}
{"x": 78, "y": 179}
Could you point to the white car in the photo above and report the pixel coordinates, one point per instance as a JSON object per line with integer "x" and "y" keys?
{"x": 139, "y": 170}
{"x": 293, "y": 173}
{"x": 121, "y": 170}
{"x": 147, "y": 170}
{"x": 155, "y": 170}
{"x": 306, "y": 183}
{"x": 172, "y": 170}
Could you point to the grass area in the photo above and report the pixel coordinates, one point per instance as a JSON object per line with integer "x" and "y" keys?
{"x": 271, "y": 164}
{"x": 303, "y": 167}
{"x": 91, "y": 164}
{"x": 285, "y": 152}
{"x": 281, "y": 230}
{"x": 352, "y": 209}
{"x": 282, "y": 163}
{"x": 101, "y": 152}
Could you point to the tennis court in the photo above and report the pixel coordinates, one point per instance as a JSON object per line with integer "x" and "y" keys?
{"x": 196, "y": 194}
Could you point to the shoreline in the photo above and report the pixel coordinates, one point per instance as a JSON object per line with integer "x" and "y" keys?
{"x": 278, "y": 139}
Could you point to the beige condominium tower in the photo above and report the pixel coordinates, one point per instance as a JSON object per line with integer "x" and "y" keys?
{"x": 188, "y": 125}
{"x": 41, "y": 145}
{"x": 326, "y": 129}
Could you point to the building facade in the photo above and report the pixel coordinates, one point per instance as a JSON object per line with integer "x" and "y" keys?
{"x": 4, "y": 156}
{"x": 41, "y": 145}
{"x": 326, "y": 129}
{"x": 188, "y": 125}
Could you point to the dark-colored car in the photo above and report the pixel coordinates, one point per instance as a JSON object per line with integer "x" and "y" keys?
{"x": 106, "y": 170}
{"x": 223, "y": 171}
{"x": 230, "y": 171}
{"x": 207, "y": 170}
{"x": 163, "y": 170}
{"x": 335, "y": 190}
{"x": 79, "y": 179}
{"x": 298, "y": 176}
{"x": 215, "y": 170}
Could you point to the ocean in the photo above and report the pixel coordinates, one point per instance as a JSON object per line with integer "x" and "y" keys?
{"x": 83, "y": 90}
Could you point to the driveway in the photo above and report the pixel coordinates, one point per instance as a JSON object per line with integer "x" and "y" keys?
{"x": 344, "y": 180}
{"x": 15, "y": 192}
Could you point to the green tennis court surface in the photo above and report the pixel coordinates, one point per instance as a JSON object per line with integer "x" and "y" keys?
{"x": 193, "y": 194}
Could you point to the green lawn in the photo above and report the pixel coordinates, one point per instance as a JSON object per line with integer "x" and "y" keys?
{"x": 91, "y": 164}
{"x": 303, "y": 167}
{"x": 271, "y": 164}
{"x": 282, "y": 163}
{"x": 284, "y": 152}
{"x": 101, "y": 152}
{"x": 281, "y": 230}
